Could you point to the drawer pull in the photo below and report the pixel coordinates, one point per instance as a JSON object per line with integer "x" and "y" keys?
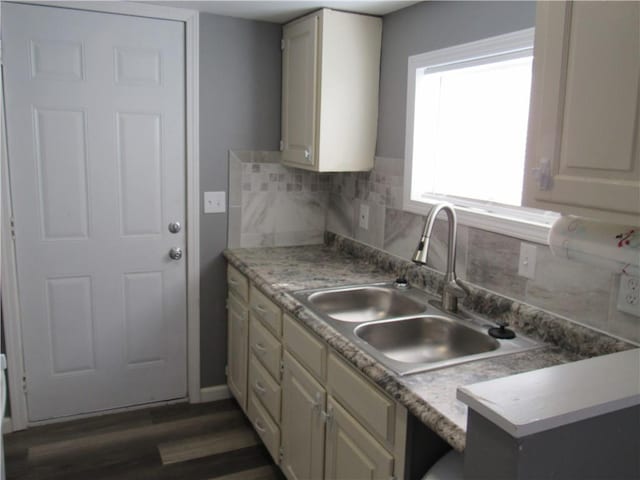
{"x": 232, "y": 281}
{"x": 260, "y": 348}
{"x": 261, "y": 310}
{"x": 259, "y": 389}
{"x": 259, "y": 427}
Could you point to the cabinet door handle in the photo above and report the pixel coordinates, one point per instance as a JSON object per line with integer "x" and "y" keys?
{"x": 260, "y": 348}
{"x": 327, "y": 417}
{"x": 260, "y": 309}
{"x": 307, "y": 153}
{"x": 259, "y": 427}
{"x": 315, "y": 404}
{"x": 258, "y": 388}
{"x": 232, "y": 281}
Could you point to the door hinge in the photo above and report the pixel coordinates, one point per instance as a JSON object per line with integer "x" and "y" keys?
{"x": 543, "y": 175}
{"x": 281, "y": 145}
{"x": 226, "y": 370}
{"x": 12, "y": 223}
{"x": 282, "y": 44}
{"x": 281, "y": 455}
{"x": 24, "y": 384}
{"x": 281, "y": 370}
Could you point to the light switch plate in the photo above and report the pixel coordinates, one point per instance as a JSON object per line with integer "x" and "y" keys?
{"x": 527, "y": 263}
{"x": 215, "y": 202}
{"x": 364, "y": 216}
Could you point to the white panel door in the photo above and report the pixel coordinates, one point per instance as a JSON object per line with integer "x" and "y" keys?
{"x": 95, "y": 107}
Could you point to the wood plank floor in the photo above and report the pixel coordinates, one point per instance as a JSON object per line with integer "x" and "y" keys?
{"x": 183, "y": 441}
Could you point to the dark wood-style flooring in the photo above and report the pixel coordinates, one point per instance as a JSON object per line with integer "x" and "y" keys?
{"x": 182, "y": 441}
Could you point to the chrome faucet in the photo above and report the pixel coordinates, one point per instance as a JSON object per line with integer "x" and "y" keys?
{"x": 453, "y": 289}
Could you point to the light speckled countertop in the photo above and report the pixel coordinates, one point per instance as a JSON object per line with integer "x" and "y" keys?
{"x": 430, "y": 396}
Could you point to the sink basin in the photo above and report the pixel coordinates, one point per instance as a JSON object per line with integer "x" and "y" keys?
{"x": 431, "y": 338}
{"x": 363, "y": 304}
{"x": 405, "y": 329}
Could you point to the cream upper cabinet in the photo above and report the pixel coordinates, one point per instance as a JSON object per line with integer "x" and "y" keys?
{"x": 330, "y": 78}
{"x": 583, "y": 145}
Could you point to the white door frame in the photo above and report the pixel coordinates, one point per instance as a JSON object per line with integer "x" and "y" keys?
{"x": 10, "y": 302}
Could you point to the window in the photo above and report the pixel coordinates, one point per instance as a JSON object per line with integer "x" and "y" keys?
{"x": 467, "y": 116}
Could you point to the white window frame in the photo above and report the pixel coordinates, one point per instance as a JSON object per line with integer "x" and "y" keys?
{"x": 519, "y": 222}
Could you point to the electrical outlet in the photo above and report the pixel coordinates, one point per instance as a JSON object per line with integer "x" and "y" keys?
{"x": 629, "y": 295}
{"x": 364, "y": 216}
{"x": 214, "y": 202}
{"x": 527, "y": 263}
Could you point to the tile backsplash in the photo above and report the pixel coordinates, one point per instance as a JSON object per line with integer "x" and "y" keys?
{"x": 579, "y": 292}
{"x": 271, "y": 205}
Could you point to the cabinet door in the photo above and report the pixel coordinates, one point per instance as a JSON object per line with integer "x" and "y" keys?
{"x": 237, "y": 350}
{"x": 299, "y": 89}
{"x": 351, "y": 451}
{"x": 302, "y": 425}
{"x": 583, "y": 129}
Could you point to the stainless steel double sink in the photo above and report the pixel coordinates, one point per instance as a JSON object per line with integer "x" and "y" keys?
{"x": 404, "y": 329}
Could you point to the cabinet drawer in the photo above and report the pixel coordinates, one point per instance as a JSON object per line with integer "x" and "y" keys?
{"x": 364, "y": 401}
{"x": 267, "y": 430}
{"x": 267, "y": 311}
{"x": 238, "y": 283}
{"x": 308, "y": 350}
{"x": 265, "y": 347}
{"x": 265, "y": 389}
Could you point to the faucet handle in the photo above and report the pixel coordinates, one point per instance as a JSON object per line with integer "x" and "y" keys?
{"x": 456, "y": 288}
{"x": 451, "y": 292}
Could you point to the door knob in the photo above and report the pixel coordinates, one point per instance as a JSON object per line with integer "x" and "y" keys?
{"x": 175, "y": 253}
{"x": 174, "y": 227}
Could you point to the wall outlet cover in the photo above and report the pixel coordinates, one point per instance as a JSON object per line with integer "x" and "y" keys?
{"x": 629, "y": 295}
{"x": 215, "y": 202}
{"x": 527, "y": 263}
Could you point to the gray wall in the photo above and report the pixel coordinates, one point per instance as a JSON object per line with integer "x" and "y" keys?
{"x": 429, "y": 26}
{"x": 602, "y": 447}
{"x": 240, "y": 70}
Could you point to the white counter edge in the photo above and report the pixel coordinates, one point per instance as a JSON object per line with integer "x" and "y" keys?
{"x": 491, "y": 399}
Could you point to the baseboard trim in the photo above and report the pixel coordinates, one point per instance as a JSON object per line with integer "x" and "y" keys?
{"x": 216, "y": 392}
{"x": 7, "y": 425}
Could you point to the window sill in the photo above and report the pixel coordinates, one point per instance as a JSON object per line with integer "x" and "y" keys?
{"x": 512, "y": 226}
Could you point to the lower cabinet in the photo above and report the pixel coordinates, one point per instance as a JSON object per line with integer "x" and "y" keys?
{"x": 318, "y": 417}
{"x": 237, "y": 335}
{"x": 303, "y": 423}
{"x": 237, "y": 348}
{"x": 267, "y": 429}
{"x": 351, "y": 452}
